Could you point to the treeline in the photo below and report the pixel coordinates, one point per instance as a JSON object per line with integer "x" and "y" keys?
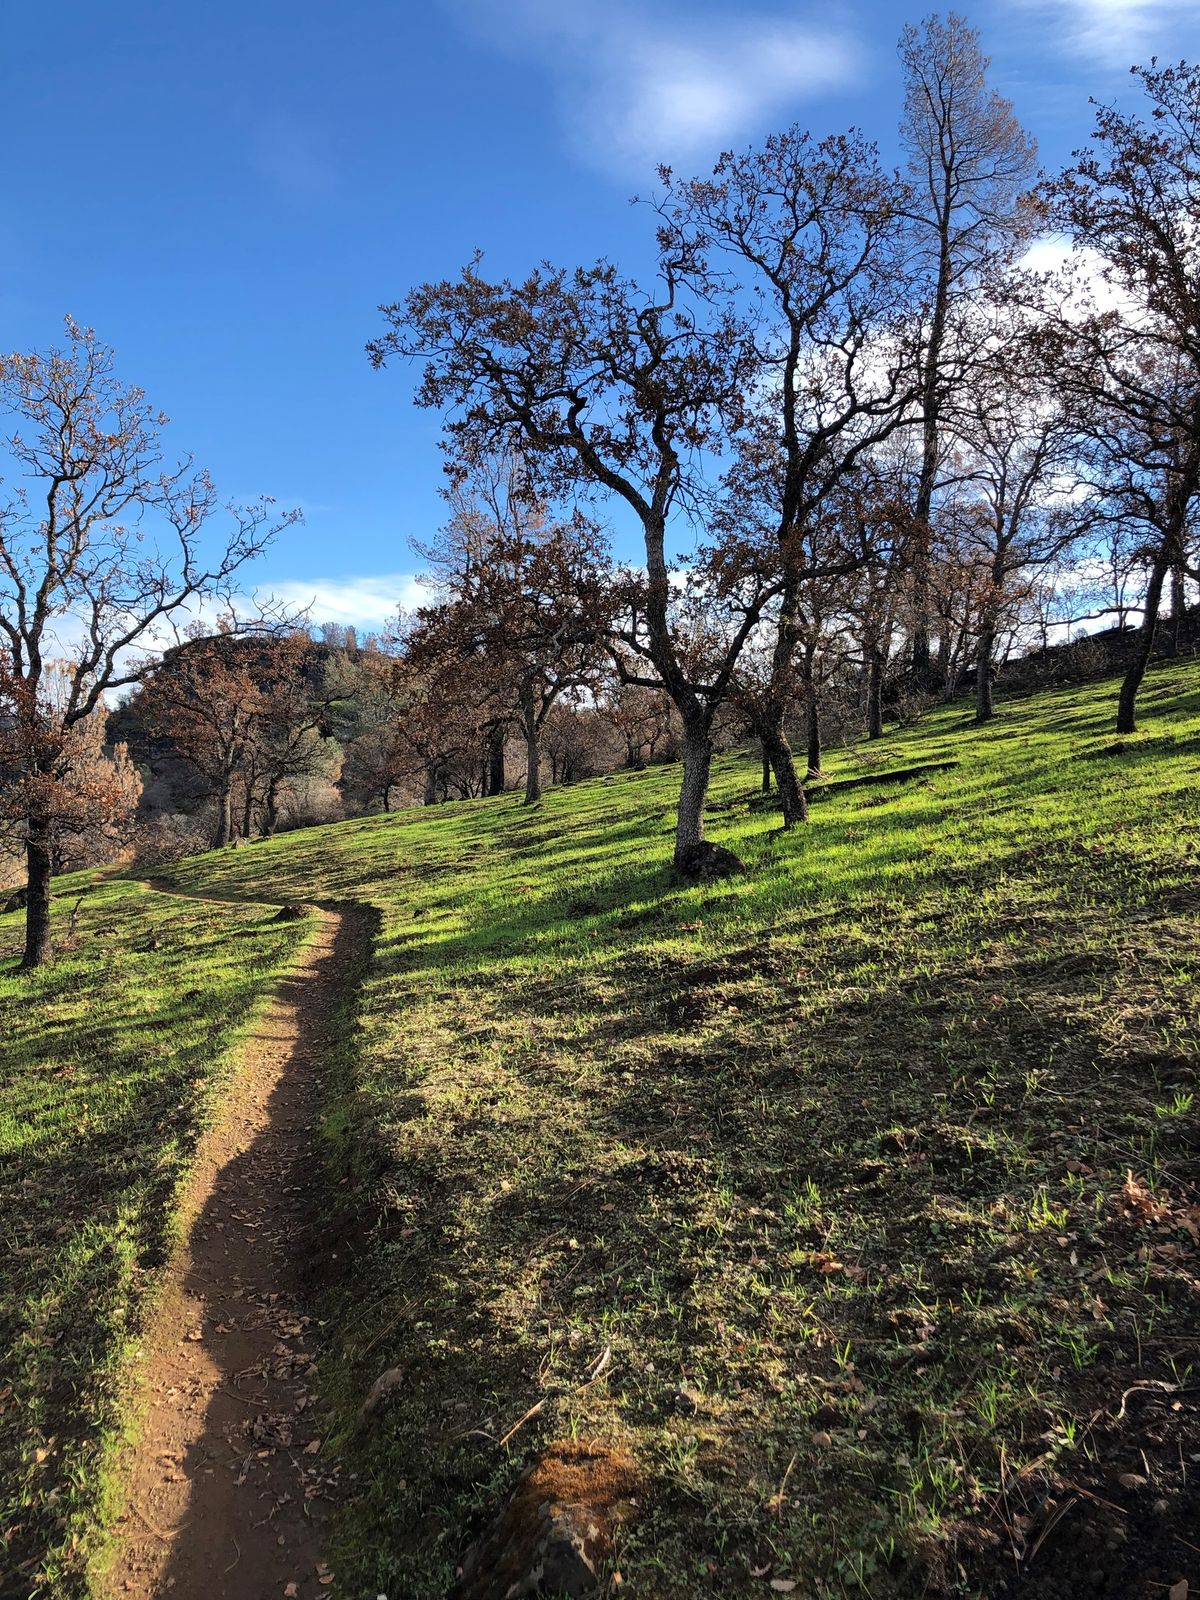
{"x": 229, "y": 738}
{"x": 891, "y": 445}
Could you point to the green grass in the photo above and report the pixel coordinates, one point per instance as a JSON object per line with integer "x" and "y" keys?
{"x": 111, "y": 1059}
{"x": 828, "y": 1155}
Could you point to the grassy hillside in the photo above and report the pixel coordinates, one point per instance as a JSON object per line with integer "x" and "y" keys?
{"x": 109, "y": 1061}
{"x": 854, "y": 1198}
{"x": 849, "y": 1196}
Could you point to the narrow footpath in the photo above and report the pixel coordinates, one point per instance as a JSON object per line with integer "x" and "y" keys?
{"x": 228, "y": 1489}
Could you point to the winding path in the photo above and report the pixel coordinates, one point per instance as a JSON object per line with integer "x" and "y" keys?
{"x": 228, "y": 1488}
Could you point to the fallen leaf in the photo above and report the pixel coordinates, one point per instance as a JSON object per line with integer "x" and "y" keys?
{"x": 783, "y": 1585}
{"x": 1178, "y": 1591}
{"x": 311, "y": 1448}
{"x": 823, "y": 1439}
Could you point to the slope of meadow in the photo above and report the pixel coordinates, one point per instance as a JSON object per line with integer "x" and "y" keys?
{"x": 852, "y": 1198}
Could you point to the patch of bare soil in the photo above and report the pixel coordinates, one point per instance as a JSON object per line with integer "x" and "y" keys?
{"x": 228, "y": 1489}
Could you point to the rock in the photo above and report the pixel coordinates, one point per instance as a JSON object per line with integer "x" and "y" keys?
{"x": 706, "y": 861}
{"x": 687, "y": 1399}
{"x": 289, "y": 914}
{"x": 556, "y": 1530}
{"x": 383, "y": 1385}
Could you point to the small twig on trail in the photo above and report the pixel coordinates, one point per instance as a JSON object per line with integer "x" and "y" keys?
{"x": 233, "y": 1395}
{"x": 236, "y": 1558}
{"x": 598, "y": 1371}
{"x": 532, "y": 1412}
{"x": 1138, "y": 1388}
{"x": 1099, "y": 1499}
{"x": 1008, "y": 1521}
{"x": 165, "y": 1537}
{"x": 1051, "y": 1523}
{"x": 775, "y": 1503}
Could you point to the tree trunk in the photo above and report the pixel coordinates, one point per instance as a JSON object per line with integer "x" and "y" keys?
{"x": 813, "y": 718}
{"x": 940, "y": 673}
{"x": 791, "y": 791}
{"x": 387, "y": 797}
{"x": 224, "y": 830}
{"x": 247, "y": 814}
{"x": 875, "y": 697}
{"x": 533, "y": 755}
{"x": 1132, "y": 682}
{"x": 495, "y": 754}
{"x": 693, "y": 791}
{"x": 270, "y": 819}
{"x": 431, "y": 777}
{"x": 37, "y": 904}
{"x": 1178, "y": 607}
{"x": 766, "y": 769}
{"x": 984, "y": 707}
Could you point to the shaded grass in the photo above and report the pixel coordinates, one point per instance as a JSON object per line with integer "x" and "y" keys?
{"x": 111, "y": 1058}
{"x": 829, "y": 1156}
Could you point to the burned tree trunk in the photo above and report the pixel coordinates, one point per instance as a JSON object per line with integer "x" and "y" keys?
{"x": 1132, "y": 682}
{"x": 38, "y": 867}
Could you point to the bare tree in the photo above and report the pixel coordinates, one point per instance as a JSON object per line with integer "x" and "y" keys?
{"x": 1133, "y": 371}
{"x": 812, "y": 231}
{"x": 969, "y": 164}
{"x": 86, "y": 792}
{"x": 608, "y": 389}
{"x": 1014, "y": 485}
{"x": 640, "y": 716}
{"x": 102, "y": 546}
{"x": 529, "y": 594}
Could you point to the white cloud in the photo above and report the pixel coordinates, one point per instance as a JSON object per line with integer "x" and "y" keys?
{"x": 636, "y": 86}
{"x": 1118, "y": 33}
{"x": 1092, "y": 291}
{"x": 365, "y": 602}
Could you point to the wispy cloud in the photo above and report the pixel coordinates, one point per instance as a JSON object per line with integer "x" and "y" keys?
{"x": 366, "y": 602}
{"x": 1117, "y": 33}
{"x": 638, "y": 84}
{"x": 295, "y": 157}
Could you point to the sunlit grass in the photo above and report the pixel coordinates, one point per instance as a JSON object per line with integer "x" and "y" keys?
{"x": 800, "y": 1148}
{"x": 803, "y": 1142}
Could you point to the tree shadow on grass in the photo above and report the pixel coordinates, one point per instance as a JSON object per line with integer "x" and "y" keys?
{"x": 682, "y": 1210}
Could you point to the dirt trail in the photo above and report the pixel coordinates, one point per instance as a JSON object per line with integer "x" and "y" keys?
{"x": 228, "y": 1488}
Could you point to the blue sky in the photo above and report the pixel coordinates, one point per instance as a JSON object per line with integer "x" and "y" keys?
{"x": 227, "y": 191}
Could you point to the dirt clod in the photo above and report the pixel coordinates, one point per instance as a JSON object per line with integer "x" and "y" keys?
{"x": 557, "y": 1530}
